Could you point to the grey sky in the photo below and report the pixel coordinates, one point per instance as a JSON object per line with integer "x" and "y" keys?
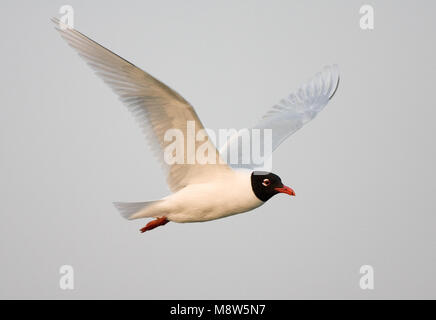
{"x": 363, "y": 170}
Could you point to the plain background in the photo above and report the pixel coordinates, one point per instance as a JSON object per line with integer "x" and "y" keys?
{"x": 363, "y": 170}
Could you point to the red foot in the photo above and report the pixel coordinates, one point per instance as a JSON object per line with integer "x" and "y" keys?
{"x": 154, "y": 224}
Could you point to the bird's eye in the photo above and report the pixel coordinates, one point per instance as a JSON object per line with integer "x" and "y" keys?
{"x": 266, "y": 182}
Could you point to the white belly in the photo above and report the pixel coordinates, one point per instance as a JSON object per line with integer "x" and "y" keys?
{"x": 209, "y": 201}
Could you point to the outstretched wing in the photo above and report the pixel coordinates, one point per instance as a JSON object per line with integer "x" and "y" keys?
{"x": 156, "y": 107}
{"x": 283, "y": 119}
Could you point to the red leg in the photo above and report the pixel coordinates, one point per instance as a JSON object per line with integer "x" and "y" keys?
{"x": 155, "y": 223}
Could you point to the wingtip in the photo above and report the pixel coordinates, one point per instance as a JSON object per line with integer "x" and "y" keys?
{"x": 335, "y": 77}
{"x": 336, "y": 88}
{"x": 56, "y": 21}
{"x": 59, "y": 25}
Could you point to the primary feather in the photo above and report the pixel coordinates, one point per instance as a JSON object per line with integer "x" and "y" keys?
{"x": 156, "y": 107}
{"x": 289, "y": 115}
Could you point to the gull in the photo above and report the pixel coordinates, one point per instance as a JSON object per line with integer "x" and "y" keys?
{"x": 199, "y": 191}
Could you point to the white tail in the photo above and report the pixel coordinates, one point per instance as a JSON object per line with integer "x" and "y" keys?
{"x": 133, "y": 210}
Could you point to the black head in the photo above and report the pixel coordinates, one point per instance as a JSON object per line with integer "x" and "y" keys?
{"x": 267, "y": 184}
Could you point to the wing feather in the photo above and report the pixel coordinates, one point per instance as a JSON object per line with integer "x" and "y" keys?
{"x": 156, "y": 107}
{"x": 289, "y": 115}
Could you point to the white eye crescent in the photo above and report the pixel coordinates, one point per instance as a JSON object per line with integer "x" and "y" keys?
{"x": 266, "y": 182}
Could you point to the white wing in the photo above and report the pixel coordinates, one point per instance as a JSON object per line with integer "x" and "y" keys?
{"x": 155, "y": 106}
{"x": 289, "y": 115}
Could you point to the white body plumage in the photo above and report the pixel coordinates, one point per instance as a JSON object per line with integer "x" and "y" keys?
{"x": 229, "y": 194}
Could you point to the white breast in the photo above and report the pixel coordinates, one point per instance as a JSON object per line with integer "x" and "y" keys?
{"x": 228, "y": 195}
